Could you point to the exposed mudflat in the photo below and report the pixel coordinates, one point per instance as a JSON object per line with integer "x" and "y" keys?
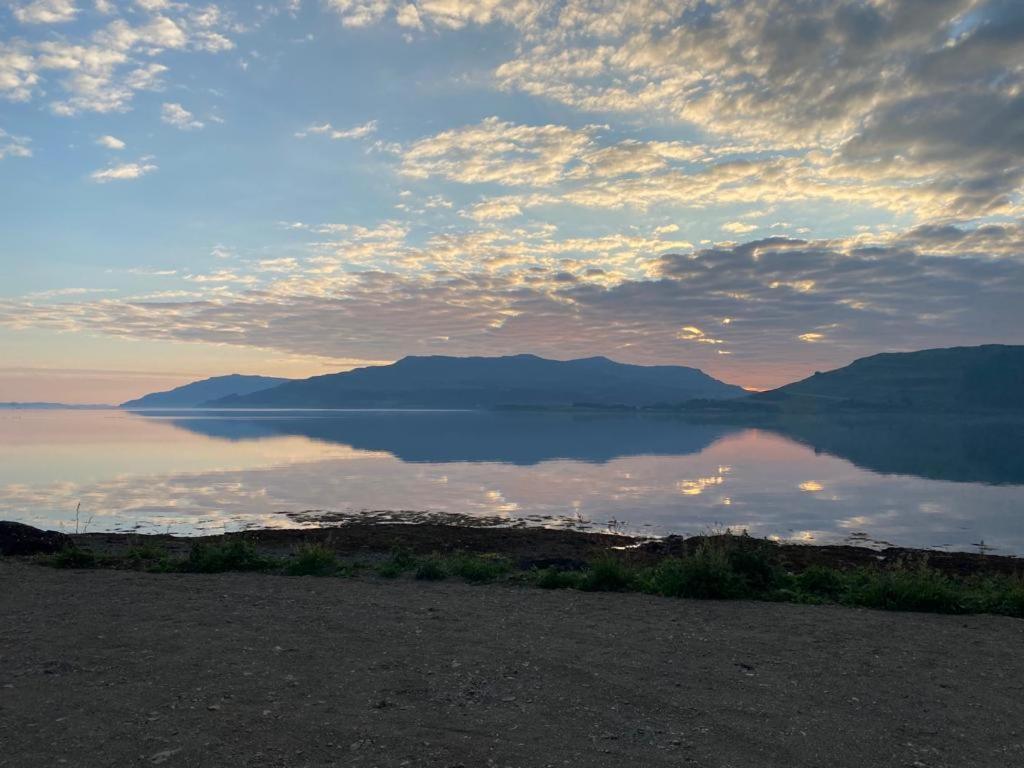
{"x": 122, "y": 668}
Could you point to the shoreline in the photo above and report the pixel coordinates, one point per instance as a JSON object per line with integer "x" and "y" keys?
{"x": 527, "y": 545}
{"x": 733, "y": 567}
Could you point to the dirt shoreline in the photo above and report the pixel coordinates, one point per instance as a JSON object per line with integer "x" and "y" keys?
{"x": 123, "y": 668}
{"x": 541, "y": 547}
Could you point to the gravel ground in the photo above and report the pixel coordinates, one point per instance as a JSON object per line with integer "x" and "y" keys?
{"x": 117, "y": 668}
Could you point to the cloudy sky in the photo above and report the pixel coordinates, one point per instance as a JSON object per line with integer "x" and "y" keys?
{"x": 760, "y": 189}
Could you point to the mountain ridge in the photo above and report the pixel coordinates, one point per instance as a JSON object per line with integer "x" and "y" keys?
{"x": 196, "y": 393}
{"x": 440, "y": 381}
{"x": 979, "y": 378}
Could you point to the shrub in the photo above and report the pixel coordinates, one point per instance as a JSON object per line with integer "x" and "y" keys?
{"x": 400, "y": 561}
{"x": 235, "y": 555}
{"x": 821, "y": 582}
{"x": 555, "y": 578}
{"x": 756, "y": 568}
{"x": 478, "y": 568}
{"x": 917, "y": 589}
{"x": 431, "y": 569}
{"x": 607, "y": 574}
{"x": 1012, "y": 600}
{"x": 705, "y": 574}
{"x": 73, "y": 557}
{"x": 144, "y": 552}
{"x": 313, "y": 560}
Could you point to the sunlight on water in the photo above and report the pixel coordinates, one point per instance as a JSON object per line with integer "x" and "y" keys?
{"x": 193, "y": 472}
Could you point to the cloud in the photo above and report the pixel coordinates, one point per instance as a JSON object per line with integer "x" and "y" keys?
{"x": 100, "y": 70}
{"x": 555, "y": 164}
{"x": 326, "y": 129}
{"x": 14, "y": 146}
{"x": 495, "y": 151}
{"x": 919, "y": 106}
{"x": 409, "y": 16}
{"x": 110, "y": 142}
{"x": 45, "y": 11}
{"x": 179, "y": 117}
{"x": 843, "y": 296}
{"x": 123, "y": 171}
{"x": 359, "y": 13}
{"x": 738, "y": 227}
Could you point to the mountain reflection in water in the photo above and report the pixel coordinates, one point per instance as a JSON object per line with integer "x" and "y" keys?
{"x": 957, "y": 450}
{"x": 910, "y": 482}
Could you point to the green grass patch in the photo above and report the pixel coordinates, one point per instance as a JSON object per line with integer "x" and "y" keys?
{"x": 313, "y": 560}
{"x": 607, "y": 574}
{"x": 235, "y": 555}
{"x": 431, "y": 569}
{"x": 145, "y": 552}
{"x": 821, "y": 582}
{"x": 720, "y": 569}
{"x": 555, "y": 578}
{"x": 398, "y": 562}
{"x": 478, "y": 569}
{"x": 73, "y": 557}
{"x": 912, "y": 589}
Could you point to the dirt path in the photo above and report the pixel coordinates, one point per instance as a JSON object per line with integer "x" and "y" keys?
{"x": 113, "y": 668}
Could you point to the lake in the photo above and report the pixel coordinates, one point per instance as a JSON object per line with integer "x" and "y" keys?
{"x": 928, "y": 483}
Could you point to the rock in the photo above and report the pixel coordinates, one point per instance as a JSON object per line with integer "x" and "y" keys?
{"x": 21, "y": 539}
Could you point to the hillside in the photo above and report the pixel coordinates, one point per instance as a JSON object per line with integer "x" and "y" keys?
{"x": 487, "y": 382}
{"x": 198, "y": 392}
{"x": 958, "y": 379}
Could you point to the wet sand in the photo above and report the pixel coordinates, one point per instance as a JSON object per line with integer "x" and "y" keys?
{"x": 121, "y": 668}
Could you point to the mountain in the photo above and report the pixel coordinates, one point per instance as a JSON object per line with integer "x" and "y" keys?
{"x": 488, "y": 382}
{"x": 958, "y": 379}
{"x": 54, "y": 407}
{"x": 198, "y": 392}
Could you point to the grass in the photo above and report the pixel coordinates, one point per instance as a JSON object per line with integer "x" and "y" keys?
{"x": 313, "y": 560}
{"x": 73, "y": 557}
{"x": 234, "y": 555}
{"x": 477, "y": 569}
{"x": 717, "y": 569}
{"x": 431, "y": 569}
{"x": 398, "y": 562}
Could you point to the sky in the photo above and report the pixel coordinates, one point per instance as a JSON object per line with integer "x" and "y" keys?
{"x": 758, "y": 189}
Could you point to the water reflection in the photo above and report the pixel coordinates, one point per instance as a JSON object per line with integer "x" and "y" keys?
{"x": 960, "y": 450}
{"x": 522, "y": 438}
{"x": 191, "y": 472}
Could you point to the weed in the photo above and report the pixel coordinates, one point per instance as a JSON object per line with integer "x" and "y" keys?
{"x": 905, "y": 589}
{"x": 400, "y": 561}
{"x": 145, "y": 551}
{"x": 705, "y": 574}
{"x": 73, "y": 557}
{"x": 821, "y": 582}
{"x": 235, "y": 555}
{"x": 431, "y": 569}
{"x": 753, "y": 564}
{"x": 606, "y": 574}
{"x": 555, "y": 578}
{"x": 478, "y": 568}
{"x": 313, "y": 560}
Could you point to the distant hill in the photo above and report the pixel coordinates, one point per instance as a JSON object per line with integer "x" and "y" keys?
{"x": 958, "y": 379}
{"x": 488, "y": 382}
{"x": 54, "y": 407}
{"x": 198, "y": 392}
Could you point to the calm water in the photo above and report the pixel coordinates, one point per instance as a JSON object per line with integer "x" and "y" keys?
{"x": 914, "y": 483}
